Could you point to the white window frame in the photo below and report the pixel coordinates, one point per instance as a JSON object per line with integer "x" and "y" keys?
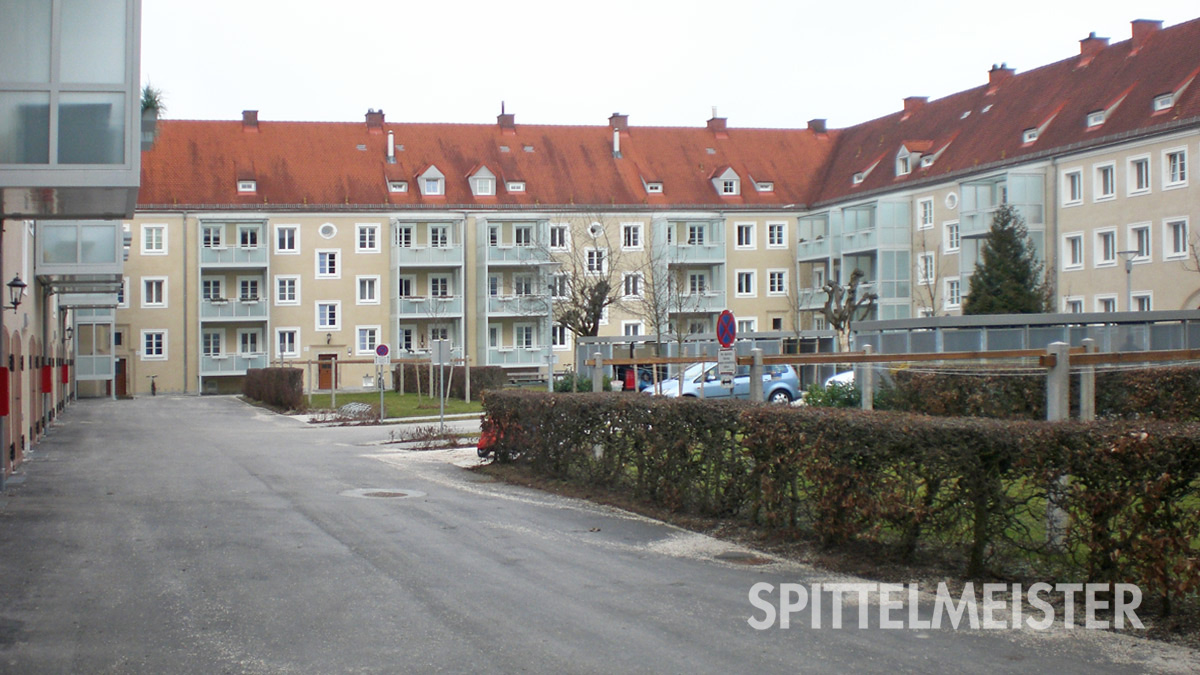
{"x": 359, "y": 333}
{"x": 255, "y": 281}
{"x": 1170, "y": 252}
{"x": 218, "y": 348}
{"x": 146, "y": 303}
{"x": 1098, "y": 254}
{"x": 1068, "y": 262}
{"x": 404, "y": 236}
{"x": 518, "y": 328}
{"x": 406, "y": 338}
{"x": 779, "y": 227}
{"x": 440, "y": 235}
{"x": 212, "y": 236}
{"x": 1131, "y": 241}
{"x": 295, "y": 352}
{"x": 432, "y": 186}
{"x": 925, "y": 214}
{"x": 752, "y": 242}
{"x": 1098, "y": 172}
{"x": 751, "y": 276}
{"x": 951, "y": 244}
{"x": 446, "y": 283}
{"x": 1169, "y": 182}
{"x": 1137, "y": 296}
{"x": 295, "y": 279}
{"x": 123, "y": 294}
{"x": 483, "y": 186}
{"x": 495, "y": 337}
{"x": 374, "y": 281}
{"x": 295, "y": 231}
{"x": 1131, "y": 171}
{"x": 637, "y": 230}
{"x": 747, "y": 325}
{"x": 1072, "y": 177}
{"x": 252, "y": 231}
{"x": 525, "y": 229}
{"x": 436, "y": 332}
{"x": 926, "y": 267}
{"x": 336, "y": 254}
{"x": 639, "y": 328}
{"x": 411, "y": 281}
{"x": 1100, "y": 298}
{"x": 515, "y": 186}
{"x": 372, "y": 230}
{"x": 625, "y": 286}
{"x": 560, "y": 337}
{"x": 700, "y": 288}
{"x": 948, "y": 301}
{"x": 397, "y": 186}
{"x": 146, "y": 332}
{"x": 160, "y": 241}
{"x": 589, "y": 267}
{"x": 564, "y": 242}
{"x": 216, "y": 283}
{"x": 782, "y": 276}
{"x": 242, "y": 333}
{"x": 1077, "y": 300}
{"x": 336, "y": 305}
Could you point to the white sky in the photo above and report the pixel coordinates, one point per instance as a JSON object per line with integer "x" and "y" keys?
{"x": 763, "y": 63}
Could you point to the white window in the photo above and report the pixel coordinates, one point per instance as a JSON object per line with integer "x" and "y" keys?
{"x": 287, "y": 289}
{"x": 925, "y": 214}
{"x": 729, "y": 186}
{"x": 558, "y": 333}
{"x": 1139, "y": 175}
{"x": 696, "y": 233}
{"x": 1139, "y": 242}
{"x": 248, "y": 289}
{"x": 397, "y": 186}
{"x": 483, "y": 186}
{"x": 697, "y": 283}
{"x": 438, "y": 333}
{"x": 558, "y": 237}
{"x": 745, "y": 235}
{"x": 212, "y": 236}
{"x": 368, "y": 290}
{"x": 1073, "y": 251}
{"x": 367, "y": 339}
{"x": 212, "y": 288}
{"x": 1072, "y": 188}
{"x": 154, "y": 345}
{"x": 631, "y": 236}
{"x": 777, "y": 282}
{"x": 493, "y": 286}
{"x": 1106, "y": 247}
{"x": 925, "y": 268}
{"x": 1143, "y": 302}
{"x": 285, "y": 342}
{"x": 1175, "y": 172}
{"x": 522, "y": 235}
{"x": 597, "y": 261}
{"x": 654, "y": 188}
{"x": 953, "y": 293}
{"x": 631, "y": 328}
{"x": 1106, "y": 303}
{"x": 818, "y": 277}
{"x": 154, "y": 292}
{"x": 951, "y": 240}
{"x": 248, "y": 236}
{"x": 248, "y": 339}
{"x": 1095, "y": 119}
{"x": 1073, "y": 305}
{"x": 123, "y": 293}
{"x": 745, "y": 283}
{"x": 494, "y": 337}
{"x": 246, "y": 186}
{"x": 1105, "y": 182}
{"x": 154, "y": 239}
{"x": 433, "y": 186}
{"x": 405, "y": 285}
{"x": 287, "y": 239}
{"x": 746, "y": 326}
{"x": 327, "y": 264}
{"x": 327, "y": 230}
{"x": 765, "y": 186}
{"x": 632, "y": 284}
{"x": 439, "y": 286}
{"x": 1030, "y": 135}
{"x": 697, "y": 326}
{"x": 559, "y": 285}
{"x": 439, "y": 235}
{"x": 1164, "y": 102}
{"x": 493, "y": 235}
{"x": 516, "y": 186}
{"x": 524, "y": 336}
{"x": 403, "y": 236}
{"x": 368, "y": 238}
{"x": 776, "y": 235}
{"x": 211, "y": 343}
{"x": 329, "y": 315}
{"x": 1175, "y": 238}
{"x": 404, "y": 338}
{"x": 903, "y": 163}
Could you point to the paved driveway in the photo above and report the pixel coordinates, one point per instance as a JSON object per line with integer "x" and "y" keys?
{"x": 200, "y": 535}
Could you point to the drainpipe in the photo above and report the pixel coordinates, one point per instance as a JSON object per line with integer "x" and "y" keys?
{"x": 186, "y": 306}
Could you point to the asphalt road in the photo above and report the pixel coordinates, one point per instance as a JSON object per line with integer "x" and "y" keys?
{"x": 201, "y": 535}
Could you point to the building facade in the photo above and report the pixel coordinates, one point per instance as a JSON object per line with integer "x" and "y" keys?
{"x": 260, "y": 242}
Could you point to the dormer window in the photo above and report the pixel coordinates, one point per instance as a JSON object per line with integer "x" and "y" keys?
{"x": 1095, "y": 119}
{"x": 432, "y": 182}
{"x": 515, "y": 186}
{"x": 903, "y": 167}
{"x": 764, "y": 186}
{"x": 927, "y": 161}
{"x": 483, "y": 187}
{"x": 654, "y": 188}
{"x": 729, "y": 187}
{"x": 858, "y": 178}
{"x": 1029, "y": 135}
{"x": 397, "y": 186}
{"x": 433, "y": 186}
{"x": 1164, "y": 102}
{"x": 247, "y": 186}
{"x": 727, "y": 183}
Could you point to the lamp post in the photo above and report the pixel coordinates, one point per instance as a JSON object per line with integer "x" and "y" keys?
{"x": 551, "y": 291}
{"x": 1128, "y": 256}
{"x": 16, "y": 288}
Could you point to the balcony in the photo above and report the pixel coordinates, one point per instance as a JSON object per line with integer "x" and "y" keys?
{"x": 810, "y": 299}
{"x": 83, "y": 256}
{"x": 94, "y": 367}
{"x": 231, "y": 364}
{"x": 516, "y": 356}
{"x": 427, "y": 256}
{"x": 860, "y": 240}
{"x": 234, "y": 256}
{"x": 518, "y": 305}
{"x": 808, "y": 251}
{"x": 517, "y": 255}
{"x": 700, "y": 303}
{"x": 688, "y": 254}
{"x": 232, "y": 310}
{"x": 428, "y": 307}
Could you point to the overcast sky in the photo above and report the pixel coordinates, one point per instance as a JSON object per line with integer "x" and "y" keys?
{"x": 762, "y": 63}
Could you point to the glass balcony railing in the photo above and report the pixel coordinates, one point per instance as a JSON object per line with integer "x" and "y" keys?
{"x": 818, "y": 249}
{"x": 234, "y": 309}
{"x": 518, "y": 304}
{"x": 860, "y": 240}
{"x": 233, "y": 255}
{"x": 428, "y": 307}
{"x": 516, "y": 356}
{"x": 431, "y": 256}
{"x": 697, "y": 253}
{"x": 231, "y": 364}
{"x": 709, "y": 301}
{"x": 517, "y": 254}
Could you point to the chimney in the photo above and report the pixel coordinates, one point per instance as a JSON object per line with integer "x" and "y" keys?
{"x": 507, "y": 122}
{"x": 913, "y": 104}
{"x": 1142, "y": 30}
{"x": 619, "y": 122}
{"x": 391, "y": 147}
{"x": 1091, "y": 45}
{"x": 816, "y": 126}
{"x": 998, "y": 75}
{"x": 717, "y": 125}
{"x": 374, "y": 121}
{"x": 249, "y": 120}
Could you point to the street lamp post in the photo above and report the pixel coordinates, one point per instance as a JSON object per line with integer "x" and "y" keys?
{"x": 1128, "y": 256}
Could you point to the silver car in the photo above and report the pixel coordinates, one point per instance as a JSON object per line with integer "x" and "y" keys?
{"x": 780, "y": 383}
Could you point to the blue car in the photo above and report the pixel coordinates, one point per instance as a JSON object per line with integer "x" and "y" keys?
{"x": 780, "y": 383}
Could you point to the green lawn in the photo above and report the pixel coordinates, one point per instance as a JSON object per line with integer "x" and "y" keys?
{"x": 398, "y": 405}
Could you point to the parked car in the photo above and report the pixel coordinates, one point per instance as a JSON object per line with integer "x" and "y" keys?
{"x": 780, "y": 383}
{"x": 841, "y": 378}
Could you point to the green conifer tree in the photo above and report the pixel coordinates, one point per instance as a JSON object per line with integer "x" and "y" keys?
{"x": 1008, "y": 276}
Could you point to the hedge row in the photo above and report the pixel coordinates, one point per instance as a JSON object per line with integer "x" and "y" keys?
{"x": 972, "y": 489}
{"x": 280, "y": 387}
{"x": 416, "y": 379}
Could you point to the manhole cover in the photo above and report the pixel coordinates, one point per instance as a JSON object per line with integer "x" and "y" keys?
{"x": 742, "y": 558}
{"x": 382, "y": 493}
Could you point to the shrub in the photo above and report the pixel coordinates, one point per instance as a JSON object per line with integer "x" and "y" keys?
{"x": 279, "y": 387}
{"x": 835, "y": 395}
{"x": 575, "y": 382}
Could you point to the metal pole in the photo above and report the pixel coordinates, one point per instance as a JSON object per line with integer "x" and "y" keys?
{"x": 442, "y": 396}
{"x": 1129, "y": 283}
{"x": 379, "y": 382}
{"x": 1087, "y": 385}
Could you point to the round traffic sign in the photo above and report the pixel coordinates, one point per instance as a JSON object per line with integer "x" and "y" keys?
{"x": 726, "y": 329}
{"x": 381, "y": 350}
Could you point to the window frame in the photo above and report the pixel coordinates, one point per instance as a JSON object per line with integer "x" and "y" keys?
{"x": 637, "y": 230}
{"x": 751, "y": 276}
{"x": 1071, "y": 262}
{"x": 946, "y": 238}
{"x": 371, "y": 231}
{"x": 294, "y": 331}
{"x": 589, "y": 265}
{"x": 1133, "y": 242}
{"x": 336, "y": 306}
{"x": 375, "y": 332}
{"x": 782, "y": 275}
{"x": 335, "y": 256}
{"x": 160, "y": 241}
{"x": 925, "y": 215}
{"x": 1072, "y": 178}
{"x": 949, "y": 301}
{"x": 373, "y": 281}
{"x": 779, "y": 227}
{"x": 1098, "y": 254}
{"x": 926, "y": 267}
{"x": 1132, "y": 174}
{"x": 163, "y": 353}
{"x": 1170, "y": 252}
{"x": 279, "y": 301}
{"x": 1170, "y": 183}
{"x": 752, "y": 243}
{"x": 1099, "y": 171}
{"x": 295, "y": 236}
{"x": 163, "y": 282}
{"x": 1099, "y": 299}
{"x": 564, "y": 242}
{"x": 639, "y": 290}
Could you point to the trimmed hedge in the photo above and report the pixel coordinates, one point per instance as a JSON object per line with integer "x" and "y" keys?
{"x": 279, "y": 387}
{"x": 482, "y": 379}
{"x": 972, "y": 489}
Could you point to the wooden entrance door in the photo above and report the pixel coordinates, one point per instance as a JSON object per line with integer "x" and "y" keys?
{"x": 122, "y": 379}
{"x": 326, "y": 371}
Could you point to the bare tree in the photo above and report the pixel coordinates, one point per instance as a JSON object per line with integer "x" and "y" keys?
{"x": 844, "y": 306}
{"x": 590, "y": 264}
{"x": 928, "y": 275}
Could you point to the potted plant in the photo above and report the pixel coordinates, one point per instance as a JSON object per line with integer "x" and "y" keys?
{"x": 152, "y": 108}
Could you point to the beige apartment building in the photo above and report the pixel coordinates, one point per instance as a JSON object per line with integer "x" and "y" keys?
{"x": 259, "y": 242}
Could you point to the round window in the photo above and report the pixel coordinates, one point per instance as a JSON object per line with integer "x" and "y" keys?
{"x": 596, "y": 229}
{"x": 328, "y": 230}
{"x": 952, "y": 200}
